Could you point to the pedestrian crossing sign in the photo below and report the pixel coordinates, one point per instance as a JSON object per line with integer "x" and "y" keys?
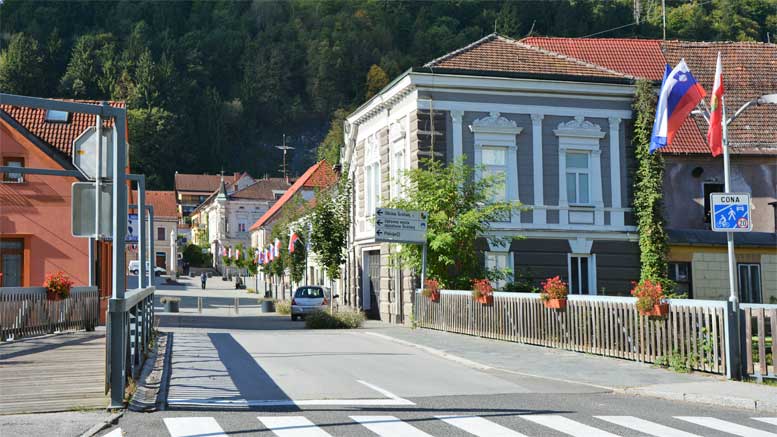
{"x": 731, "y": 212}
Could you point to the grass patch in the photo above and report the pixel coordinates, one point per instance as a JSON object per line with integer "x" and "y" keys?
{"x": 345, "y": 319}
{"x": 283, "y": 307}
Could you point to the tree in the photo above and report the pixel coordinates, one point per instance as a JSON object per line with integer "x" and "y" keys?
{"x": 92, "y": 69}
{"x": 648, "y": 193}
{"x": 22, "y": 66}
{"x": 461, "y": 208}
{"x": 329, "y": 149}
{"x": 376, "y": 80}
{"x": 330, "y": 221}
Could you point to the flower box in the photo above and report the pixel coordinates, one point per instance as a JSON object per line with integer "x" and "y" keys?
{"x": 555, "y": 304}
{"x": 434, "y": 296}
{"x": 432, "y": 290}
{"x": 658, "y": 310}
{"x": 486, "y": 299}
{"x": 53, "y": 295}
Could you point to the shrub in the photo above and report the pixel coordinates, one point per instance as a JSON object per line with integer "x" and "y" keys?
{"x": 347, "y": 319}
{"x": 283, "y": 307}
{"x": 58, "y": 284}
{"x": 432, "y": 287}
{"x": 166, "y": 299}
{"x": 554, "y": 288}
{"x": 481, "y": 288}
{"x": 648, "y": 293}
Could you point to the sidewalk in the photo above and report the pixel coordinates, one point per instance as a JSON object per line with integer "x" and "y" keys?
{"x": 613, "y": 374}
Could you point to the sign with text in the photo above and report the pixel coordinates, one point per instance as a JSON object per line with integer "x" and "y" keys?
{"x": 400, "y": 226}
{"x": 132, "y": 228}
{"x": 730, "y": 212}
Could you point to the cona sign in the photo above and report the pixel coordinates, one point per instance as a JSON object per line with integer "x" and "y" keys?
{"x": 730, "y": 212}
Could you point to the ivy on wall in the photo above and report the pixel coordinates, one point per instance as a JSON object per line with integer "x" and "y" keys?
{"x": 648, "y": 193}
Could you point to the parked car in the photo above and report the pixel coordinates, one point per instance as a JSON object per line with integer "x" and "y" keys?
{"x": 310, "y": 298}
{"x": 134, "y": 268}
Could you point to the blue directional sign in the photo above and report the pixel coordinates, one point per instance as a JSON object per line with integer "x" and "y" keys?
{"x": 731, "y": 212}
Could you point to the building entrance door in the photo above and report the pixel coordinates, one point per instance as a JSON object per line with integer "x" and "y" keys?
{"x": 373, "y": 281}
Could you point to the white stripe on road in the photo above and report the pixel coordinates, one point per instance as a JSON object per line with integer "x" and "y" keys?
{"x": 193, "y": 426}
{"x": 115, "y": 433}
{"x": 292, "y": 426}
{"x": 389, "y": 426}
{"x": 646, "y": 427}
{"x": 567, "y": 426}
{"x": 479, "y": 426}
{"x": 769, "y": 420}
{"x": 722, "y": 425}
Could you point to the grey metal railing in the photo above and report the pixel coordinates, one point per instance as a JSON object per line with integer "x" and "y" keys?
{"x": 27, "y": 312}
{"x": 136, "y": 311}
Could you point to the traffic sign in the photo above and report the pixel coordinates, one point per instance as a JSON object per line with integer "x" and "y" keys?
{"x": 83, "y": 209}
{"x": 400, "y": 226}
{"x": 731, "y": 212}
{"x": 85, "y": 153}
{"x": 132, "y": 228}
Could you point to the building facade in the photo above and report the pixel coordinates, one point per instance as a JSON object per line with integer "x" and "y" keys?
{"x": 191, "y": 190}
{"x": 559, "y": 135}
{"x": 165, "y": 226}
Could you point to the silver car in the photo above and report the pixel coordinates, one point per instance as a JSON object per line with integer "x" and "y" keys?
{"x": 308, "y": 299}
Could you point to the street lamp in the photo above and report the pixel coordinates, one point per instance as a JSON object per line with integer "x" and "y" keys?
{"x": 765, "y": 99}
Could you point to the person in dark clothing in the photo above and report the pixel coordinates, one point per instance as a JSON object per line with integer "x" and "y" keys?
{"x": 203, "y": 279}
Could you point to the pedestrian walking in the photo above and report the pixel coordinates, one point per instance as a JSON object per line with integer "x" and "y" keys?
{"x": 203, "y": 279}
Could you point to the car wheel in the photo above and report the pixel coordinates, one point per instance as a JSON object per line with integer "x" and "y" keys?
{"x": 134, "y": 272}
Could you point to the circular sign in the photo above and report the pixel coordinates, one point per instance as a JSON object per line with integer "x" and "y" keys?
{"x": 742, "y": 222}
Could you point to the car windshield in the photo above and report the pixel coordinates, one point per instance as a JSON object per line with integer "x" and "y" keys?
{"x": 309, "y": 292}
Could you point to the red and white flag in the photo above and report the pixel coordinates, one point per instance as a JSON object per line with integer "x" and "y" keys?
{"x": 292, "y": 241}
{"x": 715, "y": 131}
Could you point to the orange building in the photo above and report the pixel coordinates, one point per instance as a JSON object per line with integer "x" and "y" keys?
{"x": 35, "y": 210}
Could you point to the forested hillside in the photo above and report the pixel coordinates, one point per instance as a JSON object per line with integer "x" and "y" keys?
{"x": 212, "y": 85}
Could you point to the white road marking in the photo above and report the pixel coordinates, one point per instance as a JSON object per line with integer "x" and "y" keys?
{"x": 193, "y": 426}
{"x": 389, "y": 426}
{"x": 393, "y": 400}
{"x": 292, "y": 426}
{"x": 115, "y": 433}
{"x": 769, "y": 420}
{"x": 479, "y": 426}
{"x": 567, "y": 426}
{"x": 646, "y": 427}
{"x": 722, "y": 425}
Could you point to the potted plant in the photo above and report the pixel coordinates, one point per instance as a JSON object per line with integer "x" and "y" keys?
{"x": 554, "y": 293}
{"x": 58, "y": 286}
{"x": 651, "y": 299}
{"x": 432, "y": 290}
{"x": 482, "y": 291}
{"x": 268, "y": 305}
{"x": 170, "y": 303}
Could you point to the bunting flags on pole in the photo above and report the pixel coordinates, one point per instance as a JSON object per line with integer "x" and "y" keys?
{"x": 715, "y": 131}
{"x": 680, "y": 93}
{"x": 292, "y": 241}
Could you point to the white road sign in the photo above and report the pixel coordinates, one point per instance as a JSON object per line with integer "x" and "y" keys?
{"x": 83, "y": 208}
{"x": 85, "y": 153}
{"x": 731, "y": 212}
{"x": 400, "y": 226}
{"x": 132, "y": 228}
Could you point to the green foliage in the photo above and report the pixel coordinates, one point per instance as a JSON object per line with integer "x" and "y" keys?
{"x": 376, "y": 80}
{"x": 330, "y": 222}
{"x": 344, "y": 319}
{"x": 648, "y": 193}
{"x": 194, "y": 256}
{"x": 461, "y": 209}
{"x": 237, "y": 75}
{"x": 676, "y": 362}
{"x": 329, "y": 149}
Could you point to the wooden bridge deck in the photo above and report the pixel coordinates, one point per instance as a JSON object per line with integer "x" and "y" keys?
{"x": 54, "y": 373}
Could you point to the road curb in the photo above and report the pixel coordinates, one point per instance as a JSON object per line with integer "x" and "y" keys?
{"x": 104, "y": 424}
{"x": 696, "y": 398}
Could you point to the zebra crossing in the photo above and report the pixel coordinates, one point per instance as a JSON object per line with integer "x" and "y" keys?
{"x": 391, "y": 426}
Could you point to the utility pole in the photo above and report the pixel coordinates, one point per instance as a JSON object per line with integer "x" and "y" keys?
{"x": 663, "y": 16}
{"x": 285, "y": 149}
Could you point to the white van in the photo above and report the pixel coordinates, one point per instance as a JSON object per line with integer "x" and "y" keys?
{"x": 134, "y": 267}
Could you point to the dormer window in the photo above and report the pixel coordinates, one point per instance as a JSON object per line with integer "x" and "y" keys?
{"x": 54, "y": 116}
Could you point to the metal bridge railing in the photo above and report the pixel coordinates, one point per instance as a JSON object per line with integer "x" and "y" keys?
{"x": 136, "y": 312}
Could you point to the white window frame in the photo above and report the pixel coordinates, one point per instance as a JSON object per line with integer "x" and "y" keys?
{"x": 509, "y": 263}
{"x": 591, "y": 272}
{"x": 577, "y": 172}
{"x": 398, "y": 158}
{"x": 371, "y": 176}
{"x": 750, "y": 267}
{"x": 496, "y": 131}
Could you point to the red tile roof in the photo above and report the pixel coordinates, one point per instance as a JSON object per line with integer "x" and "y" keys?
{"x": 263, "y": 189}
{"x": 319, "y": 175}
{"x": 635, "y": 57}
{"x": 163, "y": 202}
{"x": 206, "y": 183}
{"x": 749, "y": 70}
{"x": 496, "y": 53}
{"x": 59, "y": 136}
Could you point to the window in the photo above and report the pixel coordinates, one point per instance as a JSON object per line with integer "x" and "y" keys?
{"x": 371, "y": 177}
{"x": 708, "y": 189}
{"x": 582, "y": 270}
{"x": 578, "y": 190}
{"x": 160, "y": 234}
{"x": 749, "y": 283}
{"x": 498, "y": 261}
{"x": 494, "y": 160}
{"x": 11, "y": 262}
{"x": 241, "y": 227}
{"x": 397, "y": 170}
{"x": 53, "y": 116}
{"x": 13, "y": 177}
{"x": 680, "y": 273}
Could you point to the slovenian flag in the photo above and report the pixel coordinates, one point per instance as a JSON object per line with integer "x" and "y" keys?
{"x": 292, "y": 241}
{"x": 715, "y": 131}
{"x": 270, "y": 252}
{"x": 680, "y": 93}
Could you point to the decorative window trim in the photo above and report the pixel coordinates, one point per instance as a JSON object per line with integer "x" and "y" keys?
{"x": 397, "y": 156}
{"x": 372, "y": 177}
{"x": 580, "y": 135}
{"x": 591, "y": 272}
